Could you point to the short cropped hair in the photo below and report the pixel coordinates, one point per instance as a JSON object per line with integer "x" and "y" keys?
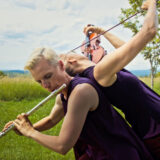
{"x": 39, "y": 53}
{"x": 72, "y": 54}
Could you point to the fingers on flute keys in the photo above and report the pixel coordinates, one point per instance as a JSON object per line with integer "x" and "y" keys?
{"x": 7, "y": 125}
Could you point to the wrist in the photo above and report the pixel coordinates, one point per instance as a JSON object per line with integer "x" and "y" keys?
{"x": 32, "y": 133}
{"x": 100, "y": 30}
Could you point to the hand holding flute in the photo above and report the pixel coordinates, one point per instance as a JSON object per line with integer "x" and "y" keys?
{"x": 23, "y": 124}
{"x": 10, "y": 125}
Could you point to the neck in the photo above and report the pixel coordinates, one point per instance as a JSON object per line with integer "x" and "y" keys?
{"x": 67, "y": 79}
{"x": 84, "y": 65}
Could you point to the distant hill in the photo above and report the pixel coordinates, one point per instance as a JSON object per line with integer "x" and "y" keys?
{"x": 14, "y": 73}
{"x": 141, "y": 73}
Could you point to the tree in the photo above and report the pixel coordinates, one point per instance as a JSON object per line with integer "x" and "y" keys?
{"x": 2, "y": 74}
{"x": 152, "y": 51}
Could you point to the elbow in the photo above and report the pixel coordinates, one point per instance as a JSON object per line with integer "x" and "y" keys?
{"x": 152, "y": 32}
{"x": 149, "y": 31}
{"x": 63, "y": 153}
{"x": 63, "y": 146}
{"x": 63, "y": 149}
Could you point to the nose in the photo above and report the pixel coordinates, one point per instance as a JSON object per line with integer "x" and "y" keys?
{"x": 45, "y": 84}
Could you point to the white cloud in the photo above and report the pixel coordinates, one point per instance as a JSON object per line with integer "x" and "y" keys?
{"x": 27, "y": 24}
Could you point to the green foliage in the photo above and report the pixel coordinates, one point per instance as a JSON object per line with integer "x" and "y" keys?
{"x": 152, "y": 50}
{"x": 2, "y": 74}
{"x": 152, "y": 53}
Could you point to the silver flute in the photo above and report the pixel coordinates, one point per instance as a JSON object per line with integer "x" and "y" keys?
{"x": 52, "y": 94}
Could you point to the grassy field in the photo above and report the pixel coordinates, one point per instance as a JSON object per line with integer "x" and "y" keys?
{"x": 19, "y": 95}
{"x": 14, "y": 147}
{"x": 156, "y": 83}
{"x": 20, "y": 88}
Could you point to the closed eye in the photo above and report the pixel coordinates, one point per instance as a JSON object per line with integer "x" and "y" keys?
{"x": 47, "y": 76}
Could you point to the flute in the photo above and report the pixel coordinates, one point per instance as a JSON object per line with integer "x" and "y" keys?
{"x": 54, "y": 93}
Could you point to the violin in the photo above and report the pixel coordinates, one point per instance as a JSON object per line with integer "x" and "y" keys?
{"x": 91, "y": 47}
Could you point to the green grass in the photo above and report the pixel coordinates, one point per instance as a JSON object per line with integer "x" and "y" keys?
{"x": 156, "y": 88}
{"x": 14, "y": 147}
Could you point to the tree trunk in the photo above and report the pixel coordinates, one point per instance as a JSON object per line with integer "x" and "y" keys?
{"x": 152, "y": 79}
{"x": 152, "y": 73}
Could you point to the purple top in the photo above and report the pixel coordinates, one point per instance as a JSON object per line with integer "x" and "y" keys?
{"x": 135, "y": 99}
{"x": 105, "y": 134}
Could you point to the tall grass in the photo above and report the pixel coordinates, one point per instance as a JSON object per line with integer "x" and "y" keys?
{"x": 156, "y": 86}
{"x": 19, "y": 88}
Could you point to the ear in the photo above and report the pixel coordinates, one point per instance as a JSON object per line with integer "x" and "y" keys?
{"x": 72, "y": 61}
{"x": 61, "y": 65}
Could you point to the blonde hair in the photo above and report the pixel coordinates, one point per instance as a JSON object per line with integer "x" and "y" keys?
{"x": 39, "y": 53}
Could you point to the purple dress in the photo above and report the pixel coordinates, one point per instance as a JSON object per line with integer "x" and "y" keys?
{"x": 135, "y": 99}
{"x": 105, "y": 134}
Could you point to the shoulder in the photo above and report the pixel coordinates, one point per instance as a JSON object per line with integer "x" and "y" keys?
{"x": 102, "y": 78}
{"x": 84, "y": 88}
{"x": 85, "y": 93}
{"x": 83, "y": 85}
{"x": 58, "y": 99}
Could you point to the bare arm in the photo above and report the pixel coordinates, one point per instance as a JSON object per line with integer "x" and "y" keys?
{"x": 114, "y": 40}
{"x": 48, "y": 122}
{"x": 73, "y": 121}
{"x": 106, "y": 69}
{"x": 55, "y": 116}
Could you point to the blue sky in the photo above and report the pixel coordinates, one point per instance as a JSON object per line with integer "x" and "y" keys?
{"x": 28, "y": 24}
